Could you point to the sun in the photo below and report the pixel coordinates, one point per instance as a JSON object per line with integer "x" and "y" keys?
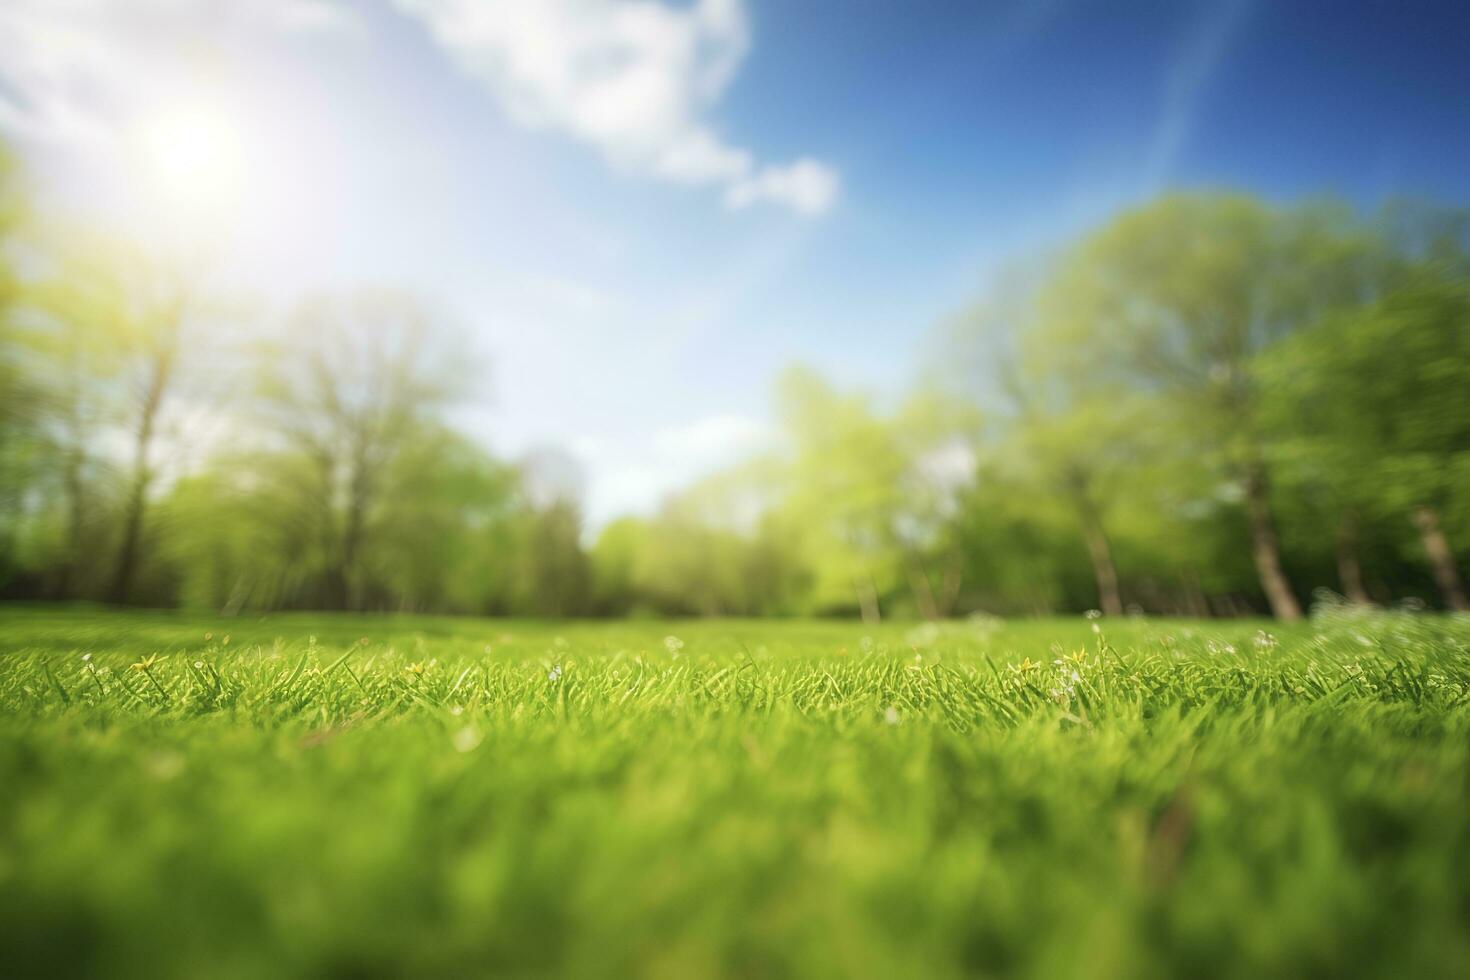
{"x": 192, "y": 159}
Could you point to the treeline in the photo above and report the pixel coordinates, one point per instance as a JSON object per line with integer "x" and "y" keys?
{"x": 1210, "y": 406}
{"x": 1232, "y": 405}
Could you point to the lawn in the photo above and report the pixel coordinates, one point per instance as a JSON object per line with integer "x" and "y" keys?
{"x": 339, "y": 796}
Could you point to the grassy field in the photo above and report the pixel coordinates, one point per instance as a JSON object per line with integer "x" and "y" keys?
{"x": 360, "y": 797}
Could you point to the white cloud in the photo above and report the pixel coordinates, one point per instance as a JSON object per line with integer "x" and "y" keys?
{"x": 806, "y": 186}
{"x": 633, "y": 78}
{"x": 73, "y": 71}
{"x": 310, "y": 16}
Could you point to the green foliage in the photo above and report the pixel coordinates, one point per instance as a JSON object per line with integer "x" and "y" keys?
{"x": 448, "y": 515}
{"x": 1207, "y": 402}
{"x": 22, "y": 450}
{"x": 329, "y": 795}
{"x": 684, "y": 562}
{"x": 860, "y": 492}
{"x": 1166, "y": 381}
{"x": 1405, "y": 430}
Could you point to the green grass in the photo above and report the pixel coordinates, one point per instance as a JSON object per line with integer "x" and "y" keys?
{"x": 360, "y": 797}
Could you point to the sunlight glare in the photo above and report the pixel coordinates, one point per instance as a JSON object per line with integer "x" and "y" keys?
{"x": 193, "y": 160}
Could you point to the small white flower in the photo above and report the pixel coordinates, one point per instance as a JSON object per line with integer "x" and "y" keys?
{"x": 890, "y": 716}
{"x": 467, "y": 739}
{"x": 673, "y": 644}
{"x": 554, "y": 674}
{"x": 164, "y": 766}
{"x": 1093, "y": 614}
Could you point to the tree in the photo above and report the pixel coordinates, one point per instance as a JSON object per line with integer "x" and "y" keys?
{"x": 715, "y": 548}
{"x": 866, "y": 494}
{"x": 106, "y": 329}
{"x": 1387, "y": 390}
{"x": 1018, "y": 547}
{"x": 1053, "y": 428}
{"x": 142, "y": 311}
{"x": 616, "y": 586}
{"x": 20, "y": 436}
{"x": 447, "y": 516}
{"x": 553, "y": 574}
{"x": 349, "y": 389}
{"x": 1178, "y": 299}
{"x": 70, "y": 359}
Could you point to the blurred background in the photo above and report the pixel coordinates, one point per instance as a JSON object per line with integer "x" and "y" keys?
{"x": 733, "y": 307}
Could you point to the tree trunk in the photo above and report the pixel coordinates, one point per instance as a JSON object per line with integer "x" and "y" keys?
{"x": 359, "y": 494}
{"x": 923, "y": 591}
{"x": 1349, "y": 567}
{"x": 75, "y": 489}
{"x": 867, "y": 596}
{"x": 344, "y": 580}
{"x": 137, "y": 502}
{"x": 127, "y": 555}
{"x": 239, "y": 592}
{"x": 1264, "y": 547}
{"x": 1099, "y": 549}
{"x": 950, "y": 585}
{"x": 75, "y": 516}
{"x": 1441, "y": 558}
{"x": 1195, "y": 599}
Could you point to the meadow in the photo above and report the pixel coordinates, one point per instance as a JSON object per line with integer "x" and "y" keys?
{"x": 356, "y": 796}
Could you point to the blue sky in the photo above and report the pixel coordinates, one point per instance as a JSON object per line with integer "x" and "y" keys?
{"x": 639, "y": 214}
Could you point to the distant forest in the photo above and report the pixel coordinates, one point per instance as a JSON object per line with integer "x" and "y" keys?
{"x": 1210, "y": 405}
